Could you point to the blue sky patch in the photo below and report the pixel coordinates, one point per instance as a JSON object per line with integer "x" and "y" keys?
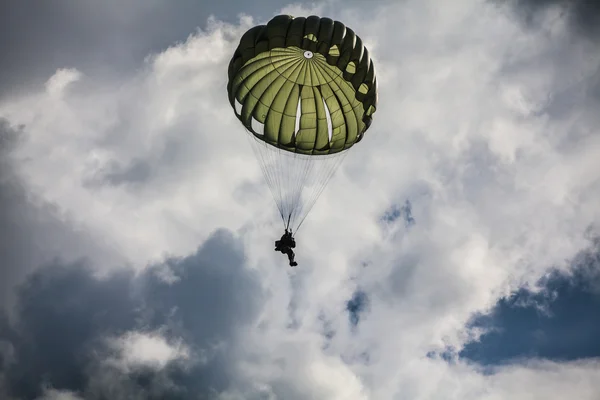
{"x": 396, "y": 212}
{"x": 560, "y": 323}
{"x": 356, "y": 305}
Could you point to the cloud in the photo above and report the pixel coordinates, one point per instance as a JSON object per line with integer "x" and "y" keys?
{"x": 486, "y": 127}
{"x": 132, "y": 336}
{"x": 558, "y": 321}
{"x": 180, "y": 136}
{"x": 582, "y": 15}
{"x": 56, "y": 85}
{"x": 107, "y": 39}
{"x": 136, "y": 349}
{"x": 34, "y": 231}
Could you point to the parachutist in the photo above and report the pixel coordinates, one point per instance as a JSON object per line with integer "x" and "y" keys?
{"x": 285, "y": 245}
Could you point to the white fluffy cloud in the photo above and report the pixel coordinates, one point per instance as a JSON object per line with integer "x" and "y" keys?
{"x": 138, "y": 349}
{"x": 52, "y": 394}
{"x": 485, "y": 126}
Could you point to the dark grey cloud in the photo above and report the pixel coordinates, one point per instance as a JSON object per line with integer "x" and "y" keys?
{"x": 583, "y": 15}
{"x": 142, "y": 171}
{"x": 138, "y": 171}
{"x": 61, "y": 309}
{"x": 32, "y": 232}
{"x": 64, "y": 313}
{"x": 559, "y": 323}
{"x": 109, "y": 37}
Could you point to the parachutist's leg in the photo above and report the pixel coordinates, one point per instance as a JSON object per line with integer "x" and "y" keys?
{"x": 291, "y": 256}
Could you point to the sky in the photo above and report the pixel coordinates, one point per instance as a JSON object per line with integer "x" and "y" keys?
{"x": 455, "y": 254}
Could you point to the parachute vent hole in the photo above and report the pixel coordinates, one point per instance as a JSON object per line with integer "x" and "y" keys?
{"x": 351, "y": 67}
{"x": 258, "y": 127}
{"x": 238, "y": 107}
{"x": 298, "y": 115}
{"x": 363, "y": 88}
{"x": 370, "y": 111}
{"x": 328, "y": 117}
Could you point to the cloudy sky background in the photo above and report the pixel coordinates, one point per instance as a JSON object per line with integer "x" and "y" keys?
{"x": 454, "y": 256}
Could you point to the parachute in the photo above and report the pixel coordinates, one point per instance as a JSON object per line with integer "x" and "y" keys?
{"x": 305, "y": 90}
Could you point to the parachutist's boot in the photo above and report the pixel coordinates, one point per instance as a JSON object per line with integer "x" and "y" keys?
{"x": 292, "y": 262}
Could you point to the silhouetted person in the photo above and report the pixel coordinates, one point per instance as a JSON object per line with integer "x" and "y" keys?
{"x": 285, "y": 245}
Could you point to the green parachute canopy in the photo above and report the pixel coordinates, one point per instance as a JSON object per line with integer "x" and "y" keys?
{"x": 305, "y": 89}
